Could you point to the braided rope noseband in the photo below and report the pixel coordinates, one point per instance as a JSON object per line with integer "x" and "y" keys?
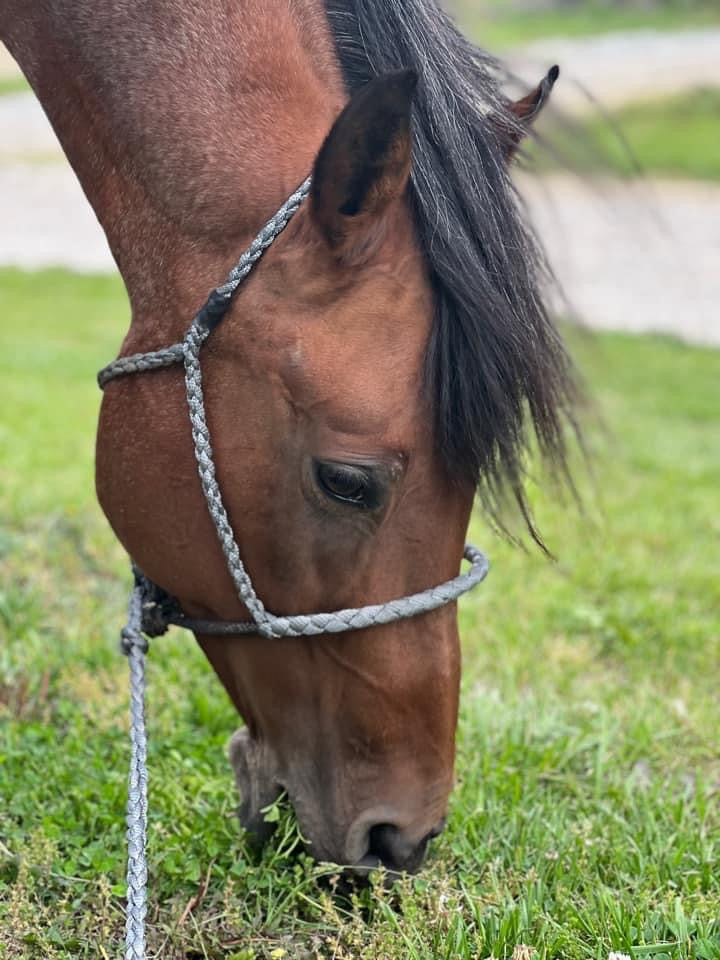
{"x": 151, "y": 610}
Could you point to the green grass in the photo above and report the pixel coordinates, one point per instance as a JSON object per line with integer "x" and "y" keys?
{"x": 501, "y": 23}
{"x": 678, "y": 136}
{"x": 14, "y": 84}
{"x": 585, "y": 818}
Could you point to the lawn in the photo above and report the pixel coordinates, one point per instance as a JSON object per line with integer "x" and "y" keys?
{"x": 507, "y": 23}
{"x": 678, "y": 136}
{"x": 585, "y": 818}
{"x": 13, "y": 84}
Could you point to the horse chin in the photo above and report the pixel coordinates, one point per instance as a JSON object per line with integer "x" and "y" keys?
{"x": 256, "y": 778}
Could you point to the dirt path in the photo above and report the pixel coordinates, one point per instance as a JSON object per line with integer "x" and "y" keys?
{"x": 46, "y": 221}
{"x": 639, "y": 257}
{"x": 8, "y": 67}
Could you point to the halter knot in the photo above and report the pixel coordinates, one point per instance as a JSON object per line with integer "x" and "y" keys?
{"x": 132, "y": 640}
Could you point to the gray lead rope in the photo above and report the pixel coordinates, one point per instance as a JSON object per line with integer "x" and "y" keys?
{"x": 151, "y": 610}
{"x": 134, "y": 645}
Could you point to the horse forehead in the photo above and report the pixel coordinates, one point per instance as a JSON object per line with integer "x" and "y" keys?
{"x": 355, "y": 380}
{"x": 352, "y": 341}
{"x": 375, "y": 353}
{"x": 375, "y": 330}
{"x": 393, "y": 280}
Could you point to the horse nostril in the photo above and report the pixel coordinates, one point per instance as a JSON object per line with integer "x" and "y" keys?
{"x": 380, "y": 844}
{"x": 388, "y": 847}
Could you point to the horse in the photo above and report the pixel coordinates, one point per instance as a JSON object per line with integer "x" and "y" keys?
{"x": 389, "y": 360}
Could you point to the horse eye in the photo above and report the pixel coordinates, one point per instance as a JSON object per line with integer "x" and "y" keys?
{"x": 348, "y": 484}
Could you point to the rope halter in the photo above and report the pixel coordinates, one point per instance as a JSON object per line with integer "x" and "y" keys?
{"x": 151, "y": 610}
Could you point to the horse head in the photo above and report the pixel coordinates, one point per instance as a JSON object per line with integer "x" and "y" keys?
{"x": 377, "y": 368}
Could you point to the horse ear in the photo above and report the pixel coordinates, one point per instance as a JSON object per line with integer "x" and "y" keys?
{"x": 524, "y": 112}
{"x": 364, "y": 164}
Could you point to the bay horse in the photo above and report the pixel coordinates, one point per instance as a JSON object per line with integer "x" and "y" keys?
{"x": 387, "y": 360}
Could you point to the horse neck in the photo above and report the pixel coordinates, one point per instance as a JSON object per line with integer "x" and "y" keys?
{"x": 187, "y": 125}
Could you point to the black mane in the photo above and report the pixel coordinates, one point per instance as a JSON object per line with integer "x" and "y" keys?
{"x": 495, "y": 361}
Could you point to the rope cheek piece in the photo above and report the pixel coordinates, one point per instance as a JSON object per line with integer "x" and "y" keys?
{"x": 151, "y": 610}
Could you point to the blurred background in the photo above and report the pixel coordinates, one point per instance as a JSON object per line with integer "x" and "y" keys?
{"x": 638, "y": 102}
{"x": 586, "y": 820}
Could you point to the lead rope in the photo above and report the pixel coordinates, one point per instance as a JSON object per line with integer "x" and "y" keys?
{"x": 134, "y": 646}
{"x": 133, "y": 643}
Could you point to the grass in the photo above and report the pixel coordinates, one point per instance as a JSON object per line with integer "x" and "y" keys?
{"x": 13, "y": 84}
{"x": 501, "y": 24}
{"x": 678, "y": 136}
{"x": 585, "y": 818}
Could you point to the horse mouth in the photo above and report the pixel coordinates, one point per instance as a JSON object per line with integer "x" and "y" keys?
{"x": 257, "y": 783}
{"x": 373, "y": 842}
